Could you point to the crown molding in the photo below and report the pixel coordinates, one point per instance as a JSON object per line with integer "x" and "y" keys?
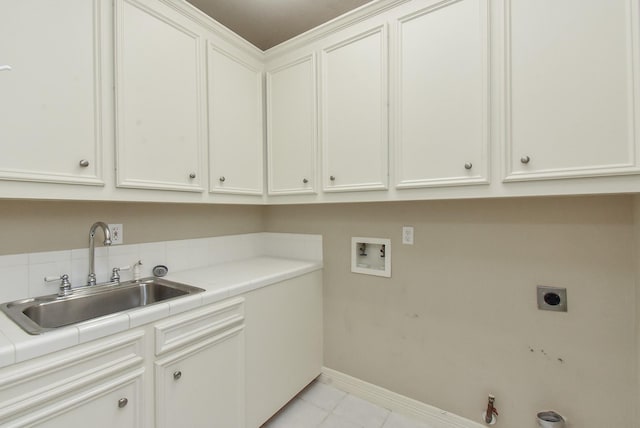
{"x": 348, "y": 19}
{"x": 195, "y": 14}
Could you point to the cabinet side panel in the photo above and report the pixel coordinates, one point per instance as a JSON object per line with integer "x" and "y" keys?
{"x": 283, "y": 343}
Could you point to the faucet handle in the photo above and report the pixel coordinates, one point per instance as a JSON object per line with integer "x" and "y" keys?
{"x": 65, "y": 285}
{"x": 115, "y": 273}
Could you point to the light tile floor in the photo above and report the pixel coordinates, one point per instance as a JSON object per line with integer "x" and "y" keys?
{"x": 323, "y": 406}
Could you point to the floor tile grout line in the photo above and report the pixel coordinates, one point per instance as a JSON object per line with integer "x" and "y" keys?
{"x": 386, "y": 417}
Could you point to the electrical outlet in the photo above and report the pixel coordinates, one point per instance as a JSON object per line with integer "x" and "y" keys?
{"x": 552, "y": 298}
{"x": 407, "y": 235}
{"x": 117, "y": 234}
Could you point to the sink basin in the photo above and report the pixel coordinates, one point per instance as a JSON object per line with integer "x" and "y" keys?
{"x": 41, "y": 314}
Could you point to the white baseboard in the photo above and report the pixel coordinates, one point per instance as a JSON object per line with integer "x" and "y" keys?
{"x": 431, "y": 415}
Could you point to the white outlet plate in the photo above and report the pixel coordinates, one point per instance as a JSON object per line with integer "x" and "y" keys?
{"x": 407, "y": 235}
{"x": 117, "y": 234}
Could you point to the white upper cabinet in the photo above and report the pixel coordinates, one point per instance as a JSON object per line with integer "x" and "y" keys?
{"x": 441, "y": 85}
{"x": 354, "y": 112}
{"x": 160, "y": 98}
{"x": 235, "y": 124}
{"x": 50, "y": 91}
{"x": 291, "y": 127}
{"x": 571, "y": 88}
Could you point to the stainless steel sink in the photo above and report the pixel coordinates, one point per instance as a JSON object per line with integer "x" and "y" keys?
{"x": 41, "y": 314}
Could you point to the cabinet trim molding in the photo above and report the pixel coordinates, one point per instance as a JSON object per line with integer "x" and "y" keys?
{"x": 193, "y": 13}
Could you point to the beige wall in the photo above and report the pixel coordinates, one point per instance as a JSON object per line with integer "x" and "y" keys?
{"x": 31, "y": 226}
{"x": 458, "y": 319}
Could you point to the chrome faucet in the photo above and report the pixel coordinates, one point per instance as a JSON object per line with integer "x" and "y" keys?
{"x": 92, "y": 249}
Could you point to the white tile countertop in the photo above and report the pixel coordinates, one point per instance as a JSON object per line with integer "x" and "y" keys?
{"x": 220, "y": 281}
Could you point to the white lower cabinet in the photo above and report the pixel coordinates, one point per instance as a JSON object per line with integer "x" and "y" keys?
{"x": 189, "y": 370}
{"x": 201, "y": 384}
{"x": 108, "y": 405}
{"x": 100, "y": 384}
{"x": 284, "y": 343}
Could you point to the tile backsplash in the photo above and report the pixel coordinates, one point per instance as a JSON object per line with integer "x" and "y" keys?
{"x": 23, "y": 274}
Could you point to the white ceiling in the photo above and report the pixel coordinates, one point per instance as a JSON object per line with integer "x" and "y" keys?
{"x": 266, "y": 23}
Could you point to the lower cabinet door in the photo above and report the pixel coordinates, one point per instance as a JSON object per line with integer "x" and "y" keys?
{"x": 114, "y": 403}
{"x": 202, "y": 385}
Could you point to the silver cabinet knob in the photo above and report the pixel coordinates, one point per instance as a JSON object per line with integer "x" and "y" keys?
{"x": 525, "y": 159}
{"x": 192, "y": 175}
{"x": 84, "y": 163}
{"x": 332, "y": 178}
{"x": 177, "y": 374}
{"x": 468, "y": 165}
{"x": 222, "y": 179}
{"x": 305, "y": 181}
{"x": 123, "y": 402}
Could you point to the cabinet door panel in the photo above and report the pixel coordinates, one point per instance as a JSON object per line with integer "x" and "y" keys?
{"x": 235, "y": 125}
{"x": 159, "y": 100}
{"x": 203, "y": 385}
{"x": 442, "y": 89}
{"x": 98, "y": 407}
{"x": 291, "y": 127}
{"x": 50, "y": 102}
{"x": 354, "y": 113}
{"x": 570, "y": 94}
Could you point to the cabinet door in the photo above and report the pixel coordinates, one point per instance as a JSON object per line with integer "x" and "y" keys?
{"x": 354, "y": 113}
{"x": 442, "y": 95}
{"x": 571, "y": 95}
{"x": 235, "y": 125}
{"x": 116, "y": 403}
{"x": 159, "y": 98}
{"x": 50, "y": 102}
{"x": 203, "y": 385}
{"x": 291, "y": 127}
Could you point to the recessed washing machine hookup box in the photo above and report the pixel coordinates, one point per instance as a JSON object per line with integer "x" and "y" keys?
{"x": 371, "y": 256}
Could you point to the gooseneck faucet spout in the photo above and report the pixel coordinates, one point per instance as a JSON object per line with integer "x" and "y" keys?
{"x": 92, "y": 250}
